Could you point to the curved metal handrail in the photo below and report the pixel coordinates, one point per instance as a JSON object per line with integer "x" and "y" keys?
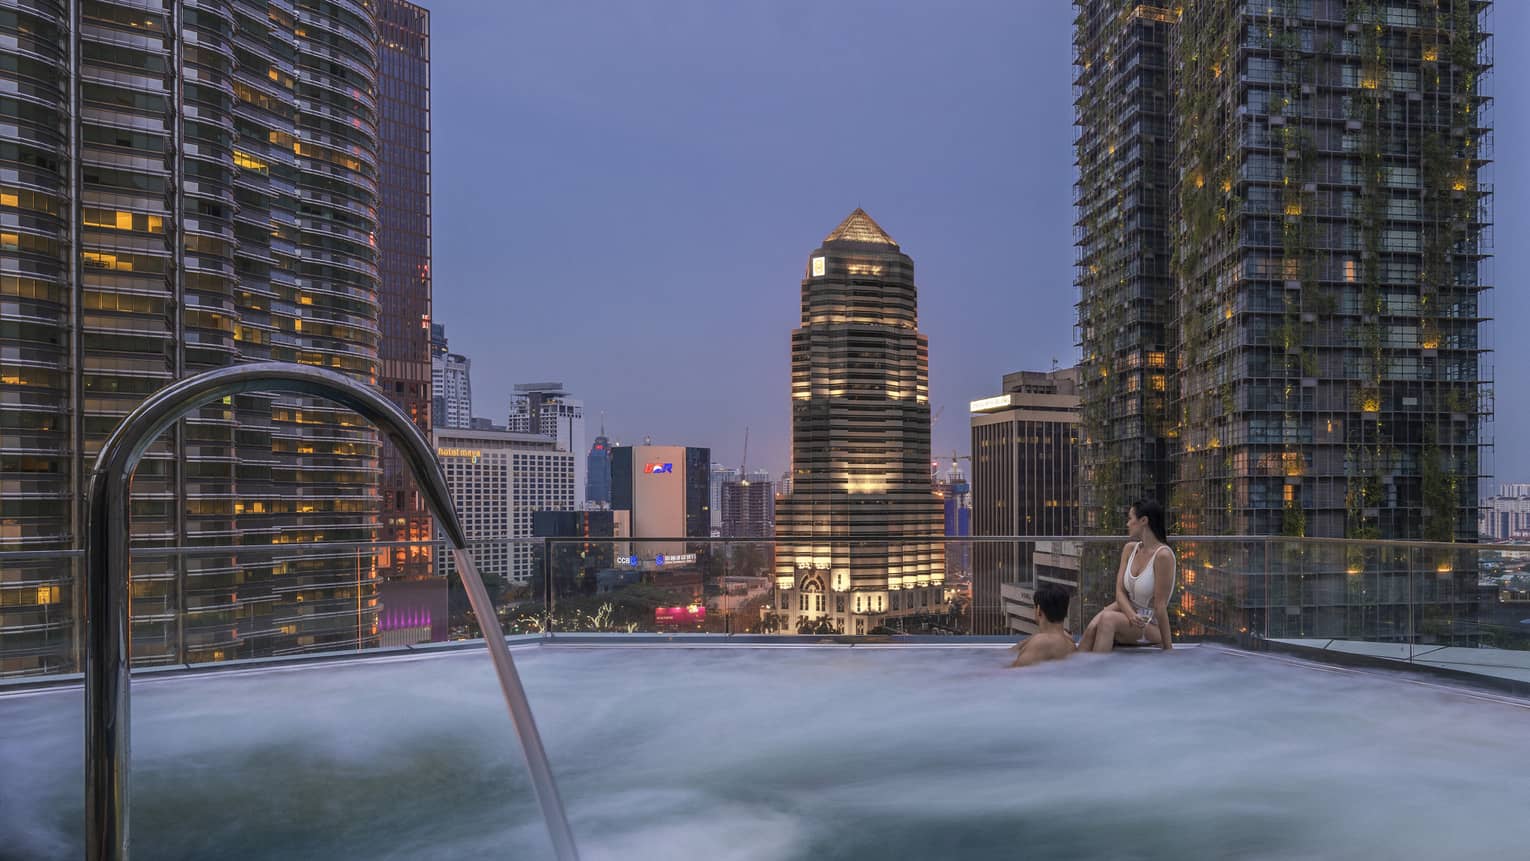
{"x": 107, "y": 589}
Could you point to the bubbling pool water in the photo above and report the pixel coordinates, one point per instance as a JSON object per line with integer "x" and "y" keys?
{"x": 822, "y": 753}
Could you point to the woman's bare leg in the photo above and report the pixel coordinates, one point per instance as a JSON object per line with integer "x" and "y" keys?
{"x": 1113, "y": 625}
{"x": 1086, "y": 642}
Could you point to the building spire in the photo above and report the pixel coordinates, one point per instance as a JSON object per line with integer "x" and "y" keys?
{"x": 859, "y": 227}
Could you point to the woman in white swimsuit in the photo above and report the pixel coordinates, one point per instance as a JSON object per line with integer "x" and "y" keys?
{"x": 1144, "y": 583}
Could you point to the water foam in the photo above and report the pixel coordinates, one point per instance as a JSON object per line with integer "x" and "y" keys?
{"x": 784, "y": 754}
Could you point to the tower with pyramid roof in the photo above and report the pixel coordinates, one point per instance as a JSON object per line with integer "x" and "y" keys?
{"x": 858, "y": 535}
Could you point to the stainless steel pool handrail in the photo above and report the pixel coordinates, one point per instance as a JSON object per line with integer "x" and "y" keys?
{"x": 107, "y": 587}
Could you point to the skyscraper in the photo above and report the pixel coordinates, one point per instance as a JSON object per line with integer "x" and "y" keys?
{"x": 597, "y": 485}
{"x": 720, "y": 476}
{"x": 451, "y": 383}
{"x": 1323, "y": 369}
{"x": 1024, "y": 481}
{"x": 548, "y": 409}
{"x": 859, "y": 534}
{"x": 403, "y": 256}
{"x": 170, "y": 224}
{"x": 1123, "y": 106}
{"x": 748, "y": 508}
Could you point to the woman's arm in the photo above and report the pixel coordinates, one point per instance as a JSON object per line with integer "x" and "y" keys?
{"x": 1163, "y": 585}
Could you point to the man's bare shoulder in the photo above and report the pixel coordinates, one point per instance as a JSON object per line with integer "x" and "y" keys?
{"x": 1057, "y": 645}
{"x": 1045, "y": 647}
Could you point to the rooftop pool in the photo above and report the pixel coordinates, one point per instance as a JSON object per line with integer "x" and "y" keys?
{"x": 788, "y": 751}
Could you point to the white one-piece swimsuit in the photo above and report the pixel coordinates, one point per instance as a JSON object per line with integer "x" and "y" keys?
{"x": 1139, "y": 586}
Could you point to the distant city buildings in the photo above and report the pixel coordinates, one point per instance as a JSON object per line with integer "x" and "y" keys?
{"x": 451, "y": 384}
{"x": 548, "y": 409}
{"x": 1025, "y": 444}
{"x": 499, "y": 481}
{"x": 1506, "y": 516}
{"x": 955, "y": 492}
{"x": 858, "y": 535}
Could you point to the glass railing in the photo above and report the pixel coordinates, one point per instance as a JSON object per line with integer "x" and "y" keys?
{"x": 1453, "y": 606}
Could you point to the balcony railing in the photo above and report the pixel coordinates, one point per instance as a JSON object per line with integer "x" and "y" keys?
{"x": 1464, "y": 607}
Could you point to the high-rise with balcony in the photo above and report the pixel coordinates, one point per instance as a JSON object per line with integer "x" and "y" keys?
{"x": 859, "y": 532}
{"x": 183, "y": 193}
{"x": 1328, "y": 220}
{"x": 403, "y": 262}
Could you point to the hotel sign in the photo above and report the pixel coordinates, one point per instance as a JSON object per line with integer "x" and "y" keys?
{"x": 986, "y": 405}
{"x": 459, "y": 452}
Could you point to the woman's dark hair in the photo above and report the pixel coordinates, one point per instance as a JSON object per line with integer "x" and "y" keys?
{"x": 1150, "y": 509}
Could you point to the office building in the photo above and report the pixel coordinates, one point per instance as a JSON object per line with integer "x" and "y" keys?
{"x": 663, "y": 489}
{"x": 548, "y": 409}
{"x": 597, "y": 483}
{"x": 720, "y": 475}
{"x": 499, "y": 481}
{"x": 1281, "y": 226}
{"x": 452, "y": 384}
{"x": 582, "y": 544}
{"x": 859, "y": 534}
{"x": 403, "y": 262}
{"x": 173, "y": 224}
{"x": 748, "y": 508}
{"x": 1025, "y": 446}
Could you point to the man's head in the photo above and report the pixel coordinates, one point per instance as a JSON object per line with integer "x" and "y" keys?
{"x": 1052, "y": 601}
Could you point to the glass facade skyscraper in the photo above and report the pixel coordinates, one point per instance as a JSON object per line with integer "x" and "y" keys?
{"x": 403, "y": 257}
{"x": 859, "y": 532}
{"x": 183, "y": 195}
{"x": 597, "y": 485}
{"x": 1322, "y": 373}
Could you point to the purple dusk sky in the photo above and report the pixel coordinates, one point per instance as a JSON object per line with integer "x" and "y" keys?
{"x": 626, "y": 195}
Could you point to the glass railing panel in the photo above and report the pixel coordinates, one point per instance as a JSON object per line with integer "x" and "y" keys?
{"x": 37, "y": 600}
{"x": 204, "y": 604}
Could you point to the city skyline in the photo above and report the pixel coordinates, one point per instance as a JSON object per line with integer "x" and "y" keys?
{"x": 985, "y": 194}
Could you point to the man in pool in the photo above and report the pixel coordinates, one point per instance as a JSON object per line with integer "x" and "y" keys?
{"x": 1051, "y": 641}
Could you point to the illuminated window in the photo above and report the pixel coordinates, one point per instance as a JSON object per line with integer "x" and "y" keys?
{"x": 1350, "y": 273}
{"x": 818, "y": 267}
{"x": 249, "y": 162}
